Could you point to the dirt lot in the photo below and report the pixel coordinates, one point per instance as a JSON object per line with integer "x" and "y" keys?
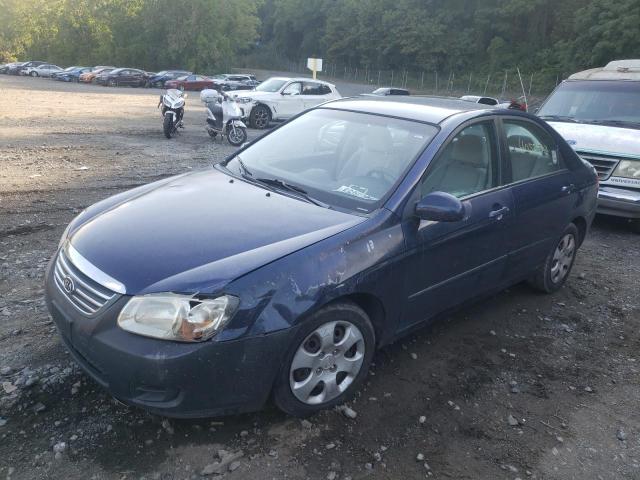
{"x": 520, "y": 386}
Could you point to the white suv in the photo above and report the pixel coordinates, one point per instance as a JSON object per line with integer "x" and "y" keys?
{"x": 598, "y": 113}
{"x": 280, "y": 98}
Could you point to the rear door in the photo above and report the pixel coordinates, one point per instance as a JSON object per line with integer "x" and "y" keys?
{"x": 314, "y": 93}
{"x": 451, "y": 262}
{"x": 542, "y": 190}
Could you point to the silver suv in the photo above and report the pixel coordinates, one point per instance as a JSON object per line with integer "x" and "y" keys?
{"x": 598, "y": 113}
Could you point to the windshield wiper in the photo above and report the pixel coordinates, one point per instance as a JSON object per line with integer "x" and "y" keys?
{"x": 559, "y": 118}
{"x": 301, "y": 192}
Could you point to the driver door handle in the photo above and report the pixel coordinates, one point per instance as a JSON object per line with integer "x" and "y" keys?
{"x": 499, "y": 213}
{"x": 568, "y": 189}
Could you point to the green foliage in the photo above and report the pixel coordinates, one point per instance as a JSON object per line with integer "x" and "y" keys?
{"x": 153, "y": 34}
{"x": 455, "y": 35}
{"x": 546, "y": 36}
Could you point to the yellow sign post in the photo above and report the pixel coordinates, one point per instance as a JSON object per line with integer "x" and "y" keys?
{"x": 315, "y": 65}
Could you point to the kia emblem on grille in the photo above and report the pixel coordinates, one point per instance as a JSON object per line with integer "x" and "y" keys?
{"x": 68, "y": 284}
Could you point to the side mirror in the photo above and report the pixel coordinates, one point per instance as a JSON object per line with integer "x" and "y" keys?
{"x": 440, "y": 207}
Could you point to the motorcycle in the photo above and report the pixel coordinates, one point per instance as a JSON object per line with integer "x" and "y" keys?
{"x": 172, "y": 102}
{"x": 224, "y": 117}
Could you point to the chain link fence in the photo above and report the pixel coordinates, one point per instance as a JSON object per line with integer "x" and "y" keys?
{"x": 504, "y": 85}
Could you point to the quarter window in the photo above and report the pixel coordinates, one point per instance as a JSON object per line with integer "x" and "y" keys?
{"x": 532, "y": 152}
{"x": 467, "y": 165}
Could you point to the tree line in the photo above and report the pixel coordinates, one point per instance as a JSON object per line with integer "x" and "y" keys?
{"x": 150, "y": 34}
{"x": 432, "y": 35}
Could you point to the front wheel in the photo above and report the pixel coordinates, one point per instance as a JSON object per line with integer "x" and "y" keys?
{"x": 167, "y": 125}
{"x": 34, "y": 74}
{"x": 260, "y": 117}
{"x": 634, "y": 225}
{"x": 236, "y": 135}
{"x": 328, "y": 360}
{"x": 556, "y": 269}
{"x": 113, "y": 83}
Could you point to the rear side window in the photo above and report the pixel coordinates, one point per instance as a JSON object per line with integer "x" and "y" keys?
{"x": 532, "y": 151}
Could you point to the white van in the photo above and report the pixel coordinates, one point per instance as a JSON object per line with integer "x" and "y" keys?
{"x": 598, "y": 113}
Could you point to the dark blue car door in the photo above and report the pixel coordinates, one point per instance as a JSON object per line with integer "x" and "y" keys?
{"x": 543, "y": 193}
{"x": 450, "y": 262}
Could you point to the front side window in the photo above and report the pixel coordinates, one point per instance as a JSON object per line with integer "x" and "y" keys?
{"x": 467, "y": 165}
{"x": 345, "y": 159}
{"x": 532, "y": 151}
{"x": 293, "y": 89}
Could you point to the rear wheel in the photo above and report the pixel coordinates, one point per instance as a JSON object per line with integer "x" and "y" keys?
{"x": 260, "y": 117}
{"x": 167, "y": 125}
{"x": 557, "y": 266}
{"x": 328, "y": 360}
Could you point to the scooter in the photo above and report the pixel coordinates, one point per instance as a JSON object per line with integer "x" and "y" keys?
{"x": 224, "y": 117}
{"x": 172, "y": 102}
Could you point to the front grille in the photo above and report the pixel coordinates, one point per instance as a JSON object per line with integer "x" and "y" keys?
{"x": 604, "y": 164}
{"x": 85, "y": 294}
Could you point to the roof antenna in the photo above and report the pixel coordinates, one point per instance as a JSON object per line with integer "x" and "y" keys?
{"x": 524, "y": 94}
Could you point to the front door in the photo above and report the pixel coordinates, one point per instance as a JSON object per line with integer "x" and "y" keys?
{"x": 291, "y": 102}
{"x": 450, "y": 262}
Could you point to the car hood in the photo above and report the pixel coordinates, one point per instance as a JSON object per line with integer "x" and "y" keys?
{"x": 600, "y": 138}
{"x": 199, "y": 231}
{"x": 255, "y": 94}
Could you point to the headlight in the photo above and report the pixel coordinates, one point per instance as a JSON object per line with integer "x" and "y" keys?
{"x": 628, "y": 169}
{"x": 177, "y": 317}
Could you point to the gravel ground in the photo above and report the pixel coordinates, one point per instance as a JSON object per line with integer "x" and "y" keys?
{"x": 521, "y": 385}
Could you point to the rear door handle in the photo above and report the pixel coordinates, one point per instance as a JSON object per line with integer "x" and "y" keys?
{"x": 499, "y": 213}
{"x": 568, "y": 189}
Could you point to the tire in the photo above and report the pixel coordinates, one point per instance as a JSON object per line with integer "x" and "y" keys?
{"x": 238, "y": 138}
{"x": 260, "y": 117}
{"x": 557, "y": 266}
{"x": 167, "y": 125}
{"x": 347, "y": 320}
{"x": 112, "y": 83}
{"x": 34, "y": 74}
{"x": 181, "y": 88}
{"x": 634, "y": 225}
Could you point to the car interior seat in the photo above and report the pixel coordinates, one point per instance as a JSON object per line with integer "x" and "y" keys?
{"x": 462, "y": 169}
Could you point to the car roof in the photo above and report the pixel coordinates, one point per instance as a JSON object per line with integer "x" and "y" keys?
{"x": 421, "y": 108}
{"x": 302, "y": 79}
{"x": 615, "y": 70}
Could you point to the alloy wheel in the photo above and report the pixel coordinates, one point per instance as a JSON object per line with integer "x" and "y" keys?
{"x": 261, "y": 118}
{"x": 327, "y": 362}
{"x": 563, "y": 258}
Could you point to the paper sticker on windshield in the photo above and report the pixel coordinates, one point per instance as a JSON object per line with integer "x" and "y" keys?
{"x": 355, "y": 191}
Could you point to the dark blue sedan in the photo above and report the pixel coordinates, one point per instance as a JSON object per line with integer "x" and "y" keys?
{"x": 278, "y": 273}
{"x": 71, "y": 74}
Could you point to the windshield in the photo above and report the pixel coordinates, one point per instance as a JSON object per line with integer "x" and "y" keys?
{"x": 271, "y": 85}
{"x": 345, "y": 159}
{"x": 595, "y": 101}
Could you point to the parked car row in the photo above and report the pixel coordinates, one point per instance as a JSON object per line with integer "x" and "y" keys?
{"x": 134, "y": 77}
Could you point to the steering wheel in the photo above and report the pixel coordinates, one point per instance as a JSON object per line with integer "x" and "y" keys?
{"x": 381, "y": 175}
